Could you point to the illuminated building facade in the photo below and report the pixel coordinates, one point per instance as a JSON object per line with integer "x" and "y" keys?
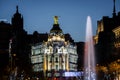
{"x": 100, "y": 28}
{"x": 54, "y": 56}
{"x": 117, "y": 37}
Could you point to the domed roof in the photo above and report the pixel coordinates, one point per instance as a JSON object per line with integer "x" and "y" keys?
{"x": 56, "y": 28}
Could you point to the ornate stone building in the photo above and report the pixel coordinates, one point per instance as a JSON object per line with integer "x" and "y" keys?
{"x": 54, "y": 56}
{"x": 117, "y": 37}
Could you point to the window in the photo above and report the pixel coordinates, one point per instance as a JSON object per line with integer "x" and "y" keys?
{"x": 56, "y": 67}
{"x": 37, "y": 51}
{"x": 56, "y": 59}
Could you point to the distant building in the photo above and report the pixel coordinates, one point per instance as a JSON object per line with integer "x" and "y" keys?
{"x": 20, "y": 45}
{"x": 80, "y": 52}
{"x": 54, "y": 56}
{"x": 107, "y": 37}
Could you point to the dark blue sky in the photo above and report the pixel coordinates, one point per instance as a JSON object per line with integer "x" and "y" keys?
{"x": 38, "y": 14}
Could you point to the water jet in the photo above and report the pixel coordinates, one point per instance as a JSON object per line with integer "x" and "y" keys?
{"x": 89, "y": 60}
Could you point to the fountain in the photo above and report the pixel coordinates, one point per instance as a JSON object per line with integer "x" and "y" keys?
{"x": 89, "y": 62}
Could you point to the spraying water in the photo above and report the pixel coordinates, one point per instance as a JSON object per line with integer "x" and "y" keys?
{"x": 89, "y": 62}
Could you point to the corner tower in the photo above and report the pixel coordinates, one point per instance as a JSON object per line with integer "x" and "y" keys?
{"x": 17, "y": 20}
